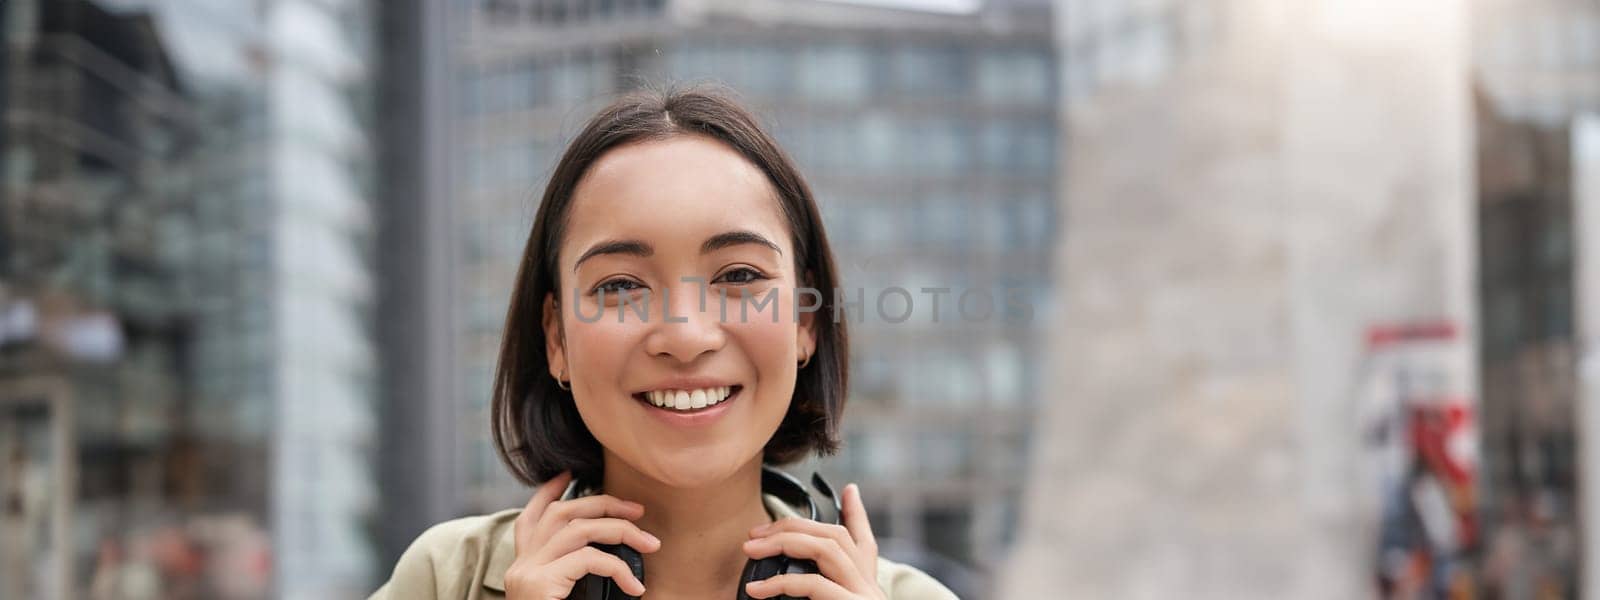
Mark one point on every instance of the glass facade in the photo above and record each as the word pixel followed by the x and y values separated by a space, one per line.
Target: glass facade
pixel 320 161
pixel 184 276
pixel 1534 69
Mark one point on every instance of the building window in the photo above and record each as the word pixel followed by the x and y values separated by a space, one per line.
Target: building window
pixel 938 146
pixel 836 73
pixel 1015 77
pixel 919 70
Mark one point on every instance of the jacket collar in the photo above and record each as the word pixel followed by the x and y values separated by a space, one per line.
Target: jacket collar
pixel 505 548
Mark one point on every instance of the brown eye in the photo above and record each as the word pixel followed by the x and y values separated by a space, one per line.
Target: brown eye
pixel 742 275
pixel 616 286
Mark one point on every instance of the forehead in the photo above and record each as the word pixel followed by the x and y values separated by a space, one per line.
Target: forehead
pixel 684 188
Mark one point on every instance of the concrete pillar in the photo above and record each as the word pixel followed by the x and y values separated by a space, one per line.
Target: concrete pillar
pixel 1230 233
pixel 1586 230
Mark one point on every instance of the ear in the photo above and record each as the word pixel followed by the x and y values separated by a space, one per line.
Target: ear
pixel 555 340
pixel 806 341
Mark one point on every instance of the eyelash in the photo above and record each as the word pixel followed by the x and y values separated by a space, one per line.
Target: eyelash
pixel 754 277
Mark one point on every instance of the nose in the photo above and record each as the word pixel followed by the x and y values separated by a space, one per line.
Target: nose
pixel 690 327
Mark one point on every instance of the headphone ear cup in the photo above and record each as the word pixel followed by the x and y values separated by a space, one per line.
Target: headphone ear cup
pixel 760 569
pixel 802 566
pixel 590 587
pixel 595 587
pixel 799 566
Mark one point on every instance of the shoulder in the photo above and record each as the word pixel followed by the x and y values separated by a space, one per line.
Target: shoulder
pixel 474 535
pixel 452 559
pixel 901 581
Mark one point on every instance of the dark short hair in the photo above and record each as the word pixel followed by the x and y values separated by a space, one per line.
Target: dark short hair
pixel 536 426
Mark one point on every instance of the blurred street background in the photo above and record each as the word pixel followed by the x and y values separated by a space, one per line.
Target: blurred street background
pixel 1312 281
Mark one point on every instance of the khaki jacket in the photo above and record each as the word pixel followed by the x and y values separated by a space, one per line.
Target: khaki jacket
pixel 467 559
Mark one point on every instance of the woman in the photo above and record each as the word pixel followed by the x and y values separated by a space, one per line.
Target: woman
pixel 652 348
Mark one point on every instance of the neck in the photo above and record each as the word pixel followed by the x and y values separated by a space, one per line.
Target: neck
pixel 702 529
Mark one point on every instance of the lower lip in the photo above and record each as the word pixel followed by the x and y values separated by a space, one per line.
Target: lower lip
pixel 694 418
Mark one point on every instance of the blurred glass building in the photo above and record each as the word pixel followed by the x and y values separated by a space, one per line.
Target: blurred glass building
pixel 928 131
pixel 96 131
pixel 1536 69
pixel 187 374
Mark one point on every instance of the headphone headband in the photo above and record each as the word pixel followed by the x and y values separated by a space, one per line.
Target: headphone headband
pixel 778 483
pixel 774 482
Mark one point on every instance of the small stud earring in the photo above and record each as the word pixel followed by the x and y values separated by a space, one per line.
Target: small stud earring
pixel 563 384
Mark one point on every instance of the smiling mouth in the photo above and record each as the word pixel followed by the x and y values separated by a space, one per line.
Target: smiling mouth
pixel 688 401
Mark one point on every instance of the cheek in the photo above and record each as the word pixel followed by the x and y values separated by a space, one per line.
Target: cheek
pixel 592 350
pixel 769 347
pixel 598 365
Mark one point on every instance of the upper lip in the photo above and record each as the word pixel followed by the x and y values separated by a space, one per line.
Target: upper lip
pixel 688 383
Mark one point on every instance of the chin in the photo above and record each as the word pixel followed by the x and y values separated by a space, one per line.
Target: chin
pixel 694 469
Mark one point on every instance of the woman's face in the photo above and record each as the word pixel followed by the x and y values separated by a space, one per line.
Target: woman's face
pixel 671 218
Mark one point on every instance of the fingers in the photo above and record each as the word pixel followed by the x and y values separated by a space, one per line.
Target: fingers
pixel 586 560
pixel 837 533
pixel 544 516
pixel 816 528
pixel 589 507
pixel 581 532
pixel 830 556
pixel 856 521
pixel 846 555
pixel 557 516
pixel 815 587
pixel 548 492
pixel 592 507
pixel 553 536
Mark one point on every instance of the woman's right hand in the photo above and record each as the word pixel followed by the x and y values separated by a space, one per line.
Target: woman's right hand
pixel 552 542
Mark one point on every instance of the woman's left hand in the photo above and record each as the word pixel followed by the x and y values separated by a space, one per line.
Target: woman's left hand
pixel 847 555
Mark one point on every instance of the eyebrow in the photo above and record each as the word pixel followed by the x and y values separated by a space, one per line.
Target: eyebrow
pixel 641 249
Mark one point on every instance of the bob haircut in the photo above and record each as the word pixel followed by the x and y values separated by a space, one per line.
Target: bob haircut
pixel 536 427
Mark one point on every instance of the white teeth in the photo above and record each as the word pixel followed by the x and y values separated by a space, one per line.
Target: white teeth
pixel 688 399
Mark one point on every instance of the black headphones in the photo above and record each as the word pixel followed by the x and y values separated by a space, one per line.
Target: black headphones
pixel 775 482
